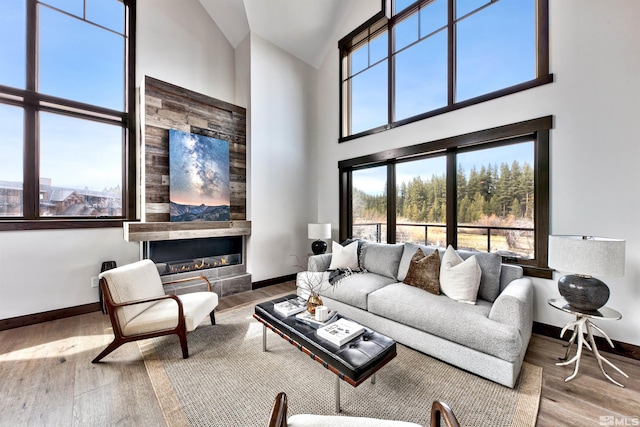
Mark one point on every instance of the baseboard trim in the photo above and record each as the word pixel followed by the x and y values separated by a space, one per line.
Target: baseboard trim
pixel 275 281
pixel 32 319
pixel 620 348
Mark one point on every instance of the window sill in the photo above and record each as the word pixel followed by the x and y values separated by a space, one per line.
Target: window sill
pixel 59 224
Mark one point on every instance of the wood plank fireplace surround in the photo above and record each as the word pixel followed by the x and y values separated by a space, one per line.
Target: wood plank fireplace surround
pixel 214 249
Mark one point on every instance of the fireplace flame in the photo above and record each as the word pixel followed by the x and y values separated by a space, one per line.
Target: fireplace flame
pixel 203 263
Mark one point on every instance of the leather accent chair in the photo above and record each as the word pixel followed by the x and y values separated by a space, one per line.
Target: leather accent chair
pixel 139 308
pixel 439 412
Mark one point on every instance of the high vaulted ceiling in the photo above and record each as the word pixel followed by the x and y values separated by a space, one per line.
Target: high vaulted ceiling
pixel 303 28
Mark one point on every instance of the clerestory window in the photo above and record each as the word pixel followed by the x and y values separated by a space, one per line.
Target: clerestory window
pixel 66 113
pixel 432 56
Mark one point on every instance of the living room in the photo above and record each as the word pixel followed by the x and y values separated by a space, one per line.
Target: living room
pixel 293 129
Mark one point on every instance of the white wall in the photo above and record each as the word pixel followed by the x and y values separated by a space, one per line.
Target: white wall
pixel 179 43
pixel 595 143
pixel 51 269
pixel 282 199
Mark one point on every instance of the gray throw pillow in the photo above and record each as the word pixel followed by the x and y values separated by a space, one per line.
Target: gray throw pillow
pixel 381 258
pixel 491 265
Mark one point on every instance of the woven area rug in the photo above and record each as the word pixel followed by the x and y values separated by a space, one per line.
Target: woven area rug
pixel 229 381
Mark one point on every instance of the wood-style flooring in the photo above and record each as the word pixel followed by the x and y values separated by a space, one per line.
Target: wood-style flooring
pixel 47 378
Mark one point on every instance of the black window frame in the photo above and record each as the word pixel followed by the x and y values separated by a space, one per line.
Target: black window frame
pixel 383 19
pixel 32 102
pixel 536 130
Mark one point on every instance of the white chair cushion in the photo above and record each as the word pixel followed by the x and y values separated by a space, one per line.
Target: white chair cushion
pixel 306 420
pixel 133 282
pixel 164 314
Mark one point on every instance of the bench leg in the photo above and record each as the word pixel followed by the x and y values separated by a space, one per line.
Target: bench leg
pixel 337 394
pixel 212 316
pixel 264 337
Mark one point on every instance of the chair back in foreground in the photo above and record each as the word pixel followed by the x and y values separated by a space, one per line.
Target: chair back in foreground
pixel 138 307
pixel 278 418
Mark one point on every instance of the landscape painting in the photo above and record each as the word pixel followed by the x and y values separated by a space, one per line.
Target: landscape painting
pixel 199 178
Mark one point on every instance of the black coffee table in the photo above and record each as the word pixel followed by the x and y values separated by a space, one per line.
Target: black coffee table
pixel 353 362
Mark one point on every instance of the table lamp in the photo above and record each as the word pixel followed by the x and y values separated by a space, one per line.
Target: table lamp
pixel 586 256
pixel 319 232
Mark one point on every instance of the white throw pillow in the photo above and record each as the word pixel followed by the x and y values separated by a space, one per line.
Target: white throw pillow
pixel 344 256
pixel 460 279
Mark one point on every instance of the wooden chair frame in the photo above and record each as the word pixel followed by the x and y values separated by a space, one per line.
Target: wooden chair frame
pixel 120 338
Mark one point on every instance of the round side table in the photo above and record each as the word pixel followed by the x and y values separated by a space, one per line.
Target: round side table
pixel 583 325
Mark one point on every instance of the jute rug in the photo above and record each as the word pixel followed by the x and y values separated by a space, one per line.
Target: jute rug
pixel 229 381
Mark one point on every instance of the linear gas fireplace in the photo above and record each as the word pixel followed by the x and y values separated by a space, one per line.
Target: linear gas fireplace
pixel 187 255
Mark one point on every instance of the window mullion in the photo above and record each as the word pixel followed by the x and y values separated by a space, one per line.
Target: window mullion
pixel 391 203
pixel 31 188
pixel 452 199
pixel 391 76
pixel 451 60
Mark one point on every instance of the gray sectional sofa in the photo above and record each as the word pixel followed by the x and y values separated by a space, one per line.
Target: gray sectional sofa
pixel 488 339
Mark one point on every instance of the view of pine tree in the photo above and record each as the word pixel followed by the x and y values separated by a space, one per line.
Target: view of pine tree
pixel 504 191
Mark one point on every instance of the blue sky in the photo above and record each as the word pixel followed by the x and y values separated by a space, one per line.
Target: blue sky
pixel 495 49
pixel 78 60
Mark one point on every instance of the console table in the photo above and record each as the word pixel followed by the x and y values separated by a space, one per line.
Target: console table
pixel 583 325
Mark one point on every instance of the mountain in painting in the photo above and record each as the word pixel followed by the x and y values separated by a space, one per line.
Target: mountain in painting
pixel 186 213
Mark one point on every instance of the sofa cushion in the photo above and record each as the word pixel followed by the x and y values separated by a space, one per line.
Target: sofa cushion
pixel 355 289
pixel 491 265
pixel 459 279
pixel 344 256
pixel 381 258
pixel 424 272
pixel 465 324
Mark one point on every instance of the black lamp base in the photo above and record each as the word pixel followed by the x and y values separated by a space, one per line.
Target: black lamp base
pixel 583 292
pixel 319 247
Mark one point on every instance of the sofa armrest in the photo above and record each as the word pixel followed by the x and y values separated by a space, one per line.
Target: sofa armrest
pixel 514 307
pixel 319 263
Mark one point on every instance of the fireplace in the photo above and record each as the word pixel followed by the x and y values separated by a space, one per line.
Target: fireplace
pixel 187 255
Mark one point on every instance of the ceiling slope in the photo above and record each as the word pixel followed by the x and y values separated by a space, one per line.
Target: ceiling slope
pixel 304 28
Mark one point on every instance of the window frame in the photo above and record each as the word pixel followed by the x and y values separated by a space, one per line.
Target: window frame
pixel 383 19
pixel 32 102
pixel 537 130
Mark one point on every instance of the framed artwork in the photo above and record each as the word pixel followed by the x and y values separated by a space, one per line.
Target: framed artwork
pixel 198 178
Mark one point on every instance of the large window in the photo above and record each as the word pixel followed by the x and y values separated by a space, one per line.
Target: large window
pixel 66 100
pixel 432 56
pixel 487 191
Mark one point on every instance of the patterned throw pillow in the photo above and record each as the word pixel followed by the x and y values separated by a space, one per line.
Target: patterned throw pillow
pixel 424 272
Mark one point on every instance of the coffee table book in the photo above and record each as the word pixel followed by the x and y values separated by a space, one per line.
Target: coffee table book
pixel 290 306
pixel 340 332
pixel 310 319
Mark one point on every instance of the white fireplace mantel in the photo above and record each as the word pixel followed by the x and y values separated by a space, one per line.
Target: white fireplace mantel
pixel 152 231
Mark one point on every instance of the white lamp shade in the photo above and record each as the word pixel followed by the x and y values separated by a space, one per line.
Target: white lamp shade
pixel 589 256
pixel 319 231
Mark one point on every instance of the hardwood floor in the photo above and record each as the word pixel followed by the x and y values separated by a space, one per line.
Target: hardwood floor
pixel 47 378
